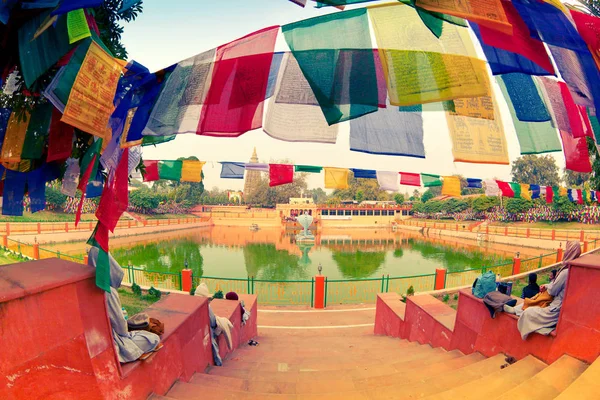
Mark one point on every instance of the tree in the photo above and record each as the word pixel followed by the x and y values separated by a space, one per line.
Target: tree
pixel 485 203
pixel 399 198
pixel 55 199
pixel 563 204
pixel 359 196
pixel 145 200
pixel 515 206
pixel 452 206
pixel 369 189
pixel 268 196
pixel 318 195
pixel 428 195
pixel 533 169
pixel 572 178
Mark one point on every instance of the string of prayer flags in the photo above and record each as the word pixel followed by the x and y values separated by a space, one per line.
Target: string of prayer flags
pixel 524 95
pixel 335 54
pixel 37 55
pixel 431 180
pixel 451 186
pixel 389 132
pixel 115 197
pixel 60 139
pixel 235 99
pixel 410 179
pixel 280 174
pixel 549 194
pixel 191 171
pixel 312 169
pixel 336 178
pixel 535 191
pixel 36 188
pixel 414 62
pixel 534 137
pixel 70 5
pixel 588 27
pixel 77 26
pixel 577 156
pixel 488 13
pixel 474 183
pixel 579 196
pixel 170 170
pixel 562 191
pixel 516 188
pixel 388 180
pixel 37 132
pixel 505 189
pixel 525 191
pixel 261 167
pixel 364 173
pixel 151 171
pixel 14 137
pixel 14 191
pixel 293 114
pixel 232 170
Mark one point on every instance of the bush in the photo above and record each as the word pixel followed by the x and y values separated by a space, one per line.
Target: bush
pixel 455 206
pixel 218 295
pixel 136 289
pixel 428 195
pixel 409 292
pixel 145 200
pixel 446 298
pixel 154 293
pixel 485 203
pixel 516 206
pixel 55 199
pixel 193 291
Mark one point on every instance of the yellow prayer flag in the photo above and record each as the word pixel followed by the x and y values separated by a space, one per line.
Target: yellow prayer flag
pixel 525 191
pixel 336 178
pixel 14 138
pixel 191 171
pixel 562 191
pixel 451 186
pixel 90 103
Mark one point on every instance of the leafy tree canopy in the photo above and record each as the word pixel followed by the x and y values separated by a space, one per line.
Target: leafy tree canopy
pixel 541 170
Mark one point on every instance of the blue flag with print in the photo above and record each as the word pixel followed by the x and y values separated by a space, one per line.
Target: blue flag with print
pixel 474 183
pixel 364 173
pixel 232 170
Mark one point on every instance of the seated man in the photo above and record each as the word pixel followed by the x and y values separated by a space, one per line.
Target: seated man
pixel 532 288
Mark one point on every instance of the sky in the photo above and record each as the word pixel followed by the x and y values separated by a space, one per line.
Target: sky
pixel 168 32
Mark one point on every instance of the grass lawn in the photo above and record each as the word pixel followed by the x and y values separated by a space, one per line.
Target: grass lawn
pixel 134 303
pixel 167 216
pixel 46 216
pixel 8 258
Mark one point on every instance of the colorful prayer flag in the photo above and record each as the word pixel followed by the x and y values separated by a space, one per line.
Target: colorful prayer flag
pixel 60 140
pixel 280 174
pixel 474 183
pixel 451 186
pixel 491 188
pixel 313 169
pixel 232 170
pixel 535 191
pixel 388 180
pixel 336 178
pixel 151 167
pixel 525 191
pixel 77 26
pixel 549 194
pixel 170 170
pixel 431 180
pixel 506 189
pixel 364 173
pixel 191 171
pixel 14 138
pixel 516 188
pixel 410 179
pixel 115 198
pixel 579 197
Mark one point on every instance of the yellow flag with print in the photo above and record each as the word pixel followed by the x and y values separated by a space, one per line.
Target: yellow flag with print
pixel 14 138
pixel 336 178
pixel 525 191
pixel 451 186
pixel 191 171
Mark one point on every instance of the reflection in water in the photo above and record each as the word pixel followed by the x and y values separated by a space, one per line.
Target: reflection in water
pixel 234 252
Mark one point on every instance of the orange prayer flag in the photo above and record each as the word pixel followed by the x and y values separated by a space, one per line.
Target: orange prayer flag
pixel 14 138
pixel 191 171
pixel 336 178
pixel 451 186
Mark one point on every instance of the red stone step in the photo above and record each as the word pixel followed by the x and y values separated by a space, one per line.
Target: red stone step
pixel 550 382
pixel 495 383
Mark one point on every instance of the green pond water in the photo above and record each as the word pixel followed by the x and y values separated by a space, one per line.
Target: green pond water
pixel 231 254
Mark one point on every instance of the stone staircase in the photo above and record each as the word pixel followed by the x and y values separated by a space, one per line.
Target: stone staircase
pixel 364 366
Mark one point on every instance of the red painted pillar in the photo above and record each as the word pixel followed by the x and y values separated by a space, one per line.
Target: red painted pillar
pixel 516 265
pixel 581 236
pixel 528 232
pixel 553 234
pixel 8 229
pixel 186 280
pixel 585 247
pixel 5 241
pixel 85 259
pixel 66 227
pixel 36 251
pixel 319 291
pixel 39 228
pixel 559 254
pixel 440 279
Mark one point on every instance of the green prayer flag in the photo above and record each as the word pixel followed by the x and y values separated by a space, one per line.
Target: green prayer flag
pixel 431 180
pixel 88 157
pixel 103 270
pixel 154 140
pixel 516 188
pixel 62 91
pixel 556 193
pixel 434 23
pixel 595 125
pixel 170 170
pixel 308 168
pixel 77 26
pixel 37 132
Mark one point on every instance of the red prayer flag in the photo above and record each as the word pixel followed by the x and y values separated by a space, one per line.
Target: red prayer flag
pixel 577 156
pixel 83 186
pixel 115 196
pixel 549 194
pixel 60 140
pixel 409 179
pixel 151 167
pixel 520 41
pixel 577 129
pixel 579 197
pixel 588 26
pixel 235 100
pixel 280 174
pixel 505 189
pixel 589 132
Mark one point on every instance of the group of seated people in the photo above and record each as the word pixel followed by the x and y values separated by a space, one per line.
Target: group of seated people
pixel 541 305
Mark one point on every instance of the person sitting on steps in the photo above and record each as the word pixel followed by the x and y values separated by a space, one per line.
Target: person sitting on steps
pixel 532 288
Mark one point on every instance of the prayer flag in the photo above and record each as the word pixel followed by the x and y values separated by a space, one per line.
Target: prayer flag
pixel 95 186
pixel 151 168
pixel 549 194
pixel 588 27
pixel 90 103
pixel 36 187
pixel 60 140
pixel 99 237
pixel 594 196
pixel 232 170
pixel 37 132
pixel 280 174
pixel 535 191
pixel 170 170
pixel 115 197
pixel 14 190
pixel 410 179
pixel 235 99
pixel 451 186
pixel 308 168
pixel 526 192
pixel 14 138
pixel 474 183
pixel 562 191
pixel 431 180
pixel 77 26
pixel 191 171
pixel 516 188
pixel 572 195
pixel 336 178
pixel 525 98
pixel 388 180
pixel 577 156
pixel 70 178
pixel 491 188
pixel 487 13
pixel 579 197
pixel 506 189
pixel 261 167
pixel 364 173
